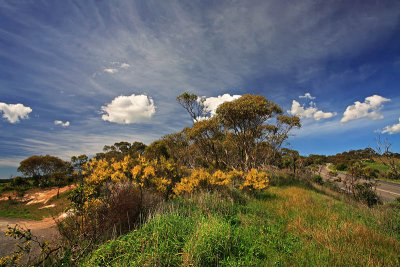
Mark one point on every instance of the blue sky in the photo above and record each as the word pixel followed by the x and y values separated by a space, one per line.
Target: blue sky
pixel 112 70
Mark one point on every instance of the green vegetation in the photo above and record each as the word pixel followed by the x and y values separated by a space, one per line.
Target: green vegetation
pixel 332 168
pixel 380 163
pixel 377 165
pixel 283 226
pixel 203 196
pixel 17 209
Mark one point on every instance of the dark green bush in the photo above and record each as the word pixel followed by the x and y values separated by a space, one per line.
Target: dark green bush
pixel 341 166
pixel 365 194
pixel 317 179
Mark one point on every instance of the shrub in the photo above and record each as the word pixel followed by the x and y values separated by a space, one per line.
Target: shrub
pixel 197 180
pixel 99 219
pixel 255 180
pixel 370 173
pixel 19 181
pixel 317 179
pixel 365 194
pixel 392 175
pixel 341 166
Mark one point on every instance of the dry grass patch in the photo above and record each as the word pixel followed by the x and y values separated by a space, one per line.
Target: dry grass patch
pixel 318 220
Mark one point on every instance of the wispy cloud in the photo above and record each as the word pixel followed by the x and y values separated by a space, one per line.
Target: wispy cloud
pixel 117 66
pixel 307 96
pixel 61 123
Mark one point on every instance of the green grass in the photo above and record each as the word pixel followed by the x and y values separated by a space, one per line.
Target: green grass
pixel 332 168
pixel 377 165
pixel 284 226
pixel 16 209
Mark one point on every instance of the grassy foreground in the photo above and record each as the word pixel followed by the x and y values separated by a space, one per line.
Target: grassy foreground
pixel 284 226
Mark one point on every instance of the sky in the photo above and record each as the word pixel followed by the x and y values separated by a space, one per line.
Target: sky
pixel 78 75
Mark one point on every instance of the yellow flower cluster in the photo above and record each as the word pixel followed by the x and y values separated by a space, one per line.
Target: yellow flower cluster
pixel 201 179
pixel 221 178
pixel 164 177
pixel 255 180
pixel 191 183
pixel 156 175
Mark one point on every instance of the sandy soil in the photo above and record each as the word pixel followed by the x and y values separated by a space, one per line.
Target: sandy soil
pixel 38 195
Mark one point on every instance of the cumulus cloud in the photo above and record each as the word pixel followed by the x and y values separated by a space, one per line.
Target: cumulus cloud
pixel 14 112
pixel 117 66
pixel 394 129
pixel 309 112
pixel 307 96
pixel 369 108
pixel 61 123
pixel 212 103
pixel 129 109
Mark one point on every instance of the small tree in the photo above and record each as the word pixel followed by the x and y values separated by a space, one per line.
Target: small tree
pixel 246 119
pixel 40 168
pixel 386 156
pixel 193 104
pixel 78 163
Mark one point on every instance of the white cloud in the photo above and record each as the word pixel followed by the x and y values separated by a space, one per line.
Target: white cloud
pixel 124 65
pixel 117 67
pixel 129 109
pixel 307 96
pixel 394 129
pixel 212 103
pixel 14 112
pixel 61 123
pixel 310 112
pixel 369 108
pixel 111 70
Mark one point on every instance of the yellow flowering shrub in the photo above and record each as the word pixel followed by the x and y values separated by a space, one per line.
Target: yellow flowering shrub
pixel 99 171
pixel 255 180
pixel 220 178
pixel 198 179
pixel 236 177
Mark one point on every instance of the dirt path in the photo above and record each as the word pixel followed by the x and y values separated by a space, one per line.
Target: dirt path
pixel 44 229
pixel 38 195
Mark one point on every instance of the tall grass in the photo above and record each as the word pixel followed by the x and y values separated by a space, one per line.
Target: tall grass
pixel 287 225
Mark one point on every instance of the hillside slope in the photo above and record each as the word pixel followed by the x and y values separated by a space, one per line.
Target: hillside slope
pixel 286 225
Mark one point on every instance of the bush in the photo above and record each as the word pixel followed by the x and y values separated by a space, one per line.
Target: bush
pixel 392 175
pixel 255 180
pixel 117 212
pixel 370 173
pixel 19 181
pixel 317 179
pixel 365 194
pixel 341 166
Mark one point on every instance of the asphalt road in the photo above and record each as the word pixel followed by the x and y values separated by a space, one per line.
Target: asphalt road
pixel 386 190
